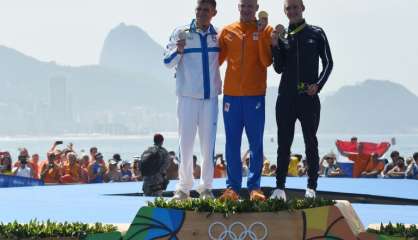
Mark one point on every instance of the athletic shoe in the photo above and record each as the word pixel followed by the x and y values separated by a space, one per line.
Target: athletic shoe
pixel 180 195
pixel 257 195
pixel 230 195
pixel 278 194
pixel 206 194
pixel 310 193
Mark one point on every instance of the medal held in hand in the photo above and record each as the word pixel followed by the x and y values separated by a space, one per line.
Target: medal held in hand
pixel 283 35
pixel 182 35
pixel 263 20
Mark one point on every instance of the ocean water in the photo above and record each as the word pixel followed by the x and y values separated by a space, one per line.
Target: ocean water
pixel 131 146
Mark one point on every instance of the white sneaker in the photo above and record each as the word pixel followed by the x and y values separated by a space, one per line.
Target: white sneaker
pixel 180 195
pixel 278 194
pixel 310 193
pixel 206 194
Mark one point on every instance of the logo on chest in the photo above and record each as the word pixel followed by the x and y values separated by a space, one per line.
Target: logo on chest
pixel 256 36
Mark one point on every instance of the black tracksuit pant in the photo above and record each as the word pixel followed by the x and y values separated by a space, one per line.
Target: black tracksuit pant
pixel 306 109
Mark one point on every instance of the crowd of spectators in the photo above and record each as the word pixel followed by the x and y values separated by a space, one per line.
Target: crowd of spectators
pixel 373 167
pixel 66 166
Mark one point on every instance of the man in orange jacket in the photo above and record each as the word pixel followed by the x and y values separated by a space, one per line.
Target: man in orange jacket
pixel 246 46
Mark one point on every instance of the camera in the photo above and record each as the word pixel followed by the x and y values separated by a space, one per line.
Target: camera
pixel 23 159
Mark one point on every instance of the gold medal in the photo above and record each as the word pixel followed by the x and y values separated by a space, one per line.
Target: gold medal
pixel 263 14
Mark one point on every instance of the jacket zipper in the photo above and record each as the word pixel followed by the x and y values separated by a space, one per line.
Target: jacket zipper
pixel 242 60
pixel 297 63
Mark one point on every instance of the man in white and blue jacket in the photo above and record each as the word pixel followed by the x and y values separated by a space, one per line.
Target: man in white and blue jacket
pixel 193 51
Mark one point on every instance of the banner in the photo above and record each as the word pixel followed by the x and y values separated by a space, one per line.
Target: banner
pixel 14 181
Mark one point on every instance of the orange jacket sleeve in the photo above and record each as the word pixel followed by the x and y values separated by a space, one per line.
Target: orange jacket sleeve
pixel 224 50
pixel 264 47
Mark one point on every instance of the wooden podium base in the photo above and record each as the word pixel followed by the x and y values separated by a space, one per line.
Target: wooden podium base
pixel 332 222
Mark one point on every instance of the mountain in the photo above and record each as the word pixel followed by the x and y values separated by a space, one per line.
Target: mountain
pixel 130 49
pixel 371 107
pixel 37 97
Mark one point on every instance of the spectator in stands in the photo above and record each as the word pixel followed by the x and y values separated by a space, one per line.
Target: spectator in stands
pixel 67 150
pixel 116 157
pixel 397 171
pixel 71 170
pixel 266 168
pixel 5 163
pixel 59 157
pixel 374 167
pixel 360 161
pixel 125 170
pixel 293 165
pixel 113 173
pixel 332 170
pixel 93 152
pixel 57 152
pixel 173 169
pixel 245 161
pixel 245 166
pixel 303 168
pixel 136 171
pixel 412 167
pixel 97 169
pixel 220 166
pixel 50 171
pixel 394 155
pixel 196 168
pixel 23 170
pixel 24 153
pixel 84 165
pixel 273 170
pixel 322 165
pixel 34 165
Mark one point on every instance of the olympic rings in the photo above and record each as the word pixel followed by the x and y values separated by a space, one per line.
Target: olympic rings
pixel 228 233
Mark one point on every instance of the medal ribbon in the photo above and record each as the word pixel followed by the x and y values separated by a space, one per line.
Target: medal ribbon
pixel 298 29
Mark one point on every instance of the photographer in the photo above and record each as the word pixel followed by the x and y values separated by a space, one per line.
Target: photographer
pixel 153 167
pixel 50 172
pixel 23 170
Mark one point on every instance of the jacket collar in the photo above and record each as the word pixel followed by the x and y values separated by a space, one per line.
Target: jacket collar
pixel 296 25
pixel 193 28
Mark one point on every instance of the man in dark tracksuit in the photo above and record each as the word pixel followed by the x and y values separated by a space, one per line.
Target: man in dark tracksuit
pixel 296 56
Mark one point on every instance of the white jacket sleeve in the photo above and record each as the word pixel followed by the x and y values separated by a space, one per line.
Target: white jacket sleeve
pixel 171 57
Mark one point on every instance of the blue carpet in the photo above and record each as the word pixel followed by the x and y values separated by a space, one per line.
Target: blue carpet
pixel 88 203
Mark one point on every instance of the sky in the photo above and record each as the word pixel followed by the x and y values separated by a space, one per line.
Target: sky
pixel 370 39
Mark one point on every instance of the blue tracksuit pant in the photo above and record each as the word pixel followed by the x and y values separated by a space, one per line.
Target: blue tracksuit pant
pixel 244 113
